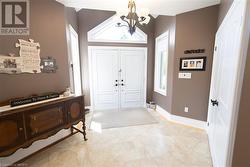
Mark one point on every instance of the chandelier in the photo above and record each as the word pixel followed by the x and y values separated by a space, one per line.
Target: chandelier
pixel 132 19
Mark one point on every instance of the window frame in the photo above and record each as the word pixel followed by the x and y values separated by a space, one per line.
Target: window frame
pixel 160 46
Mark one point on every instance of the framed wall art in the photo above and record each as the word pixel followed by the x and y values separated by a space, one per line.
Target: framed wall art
pixel 48 65
pixel 28 60
pixel 193 64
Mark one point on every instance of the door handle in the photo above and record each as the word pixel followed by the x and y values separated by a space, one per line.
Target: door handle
pixel 214 102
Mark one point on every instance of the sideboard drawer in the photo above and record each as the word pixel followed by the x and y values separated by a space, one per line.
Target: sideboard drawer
pixel 45 120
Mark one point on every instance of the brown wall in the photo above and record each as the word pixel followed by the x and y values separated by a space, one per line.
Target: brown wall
pixel 88 19
pixel 163 24
pixel 194 30
pixel 242 147
pixel 47 28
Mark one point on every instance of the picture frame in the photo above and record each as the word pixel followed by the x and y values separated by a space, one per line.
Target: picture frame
pixel 193 64
pixel 48 65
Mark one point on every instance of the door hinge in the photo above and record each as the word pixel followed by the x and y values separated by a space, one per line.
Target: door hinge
pixel 215 48
pixel 207 123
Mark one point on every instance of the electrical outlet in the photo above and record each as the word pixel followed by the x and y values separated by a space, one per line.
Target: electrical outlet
pixel 186 109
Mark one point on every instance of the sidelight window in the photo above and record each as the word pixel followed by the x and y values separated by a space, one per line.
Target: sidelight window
pixel 161 63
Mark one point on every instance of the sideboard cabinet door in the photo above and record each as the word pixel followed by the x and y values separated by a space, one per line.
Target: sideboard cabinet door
pixel 75 110
pixel 11 132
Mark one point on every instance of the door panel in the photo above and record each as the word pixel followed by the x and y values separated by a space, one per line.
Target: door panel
pixel 11 131
pixel 105 78
pixel 223 84
pixel 132 76
pixel 75 110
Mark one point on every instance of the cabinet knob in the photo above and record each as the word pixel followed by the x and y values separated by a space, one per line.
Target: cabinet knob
pixel 20 129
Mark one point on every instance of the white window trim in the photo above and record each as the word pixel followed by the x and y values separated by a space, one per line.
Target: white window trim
pixel 78 66
pixel 106 24
pixel 157 64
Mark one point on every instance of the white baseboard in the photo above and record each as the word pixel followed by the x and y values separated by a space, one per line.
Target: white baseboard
pixel 182 120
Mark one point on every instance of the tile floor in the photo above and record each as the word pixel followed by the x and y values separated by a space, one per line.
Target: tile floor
pixel 165 144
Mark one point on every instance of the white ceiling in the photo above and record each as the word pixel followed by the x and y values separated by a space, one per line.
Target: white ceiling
pixel 156 7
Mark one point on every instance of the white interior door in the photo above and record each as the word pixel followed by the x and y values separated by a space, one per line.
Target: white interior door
pixel 223 85
pixel 118 77
pixel 132 78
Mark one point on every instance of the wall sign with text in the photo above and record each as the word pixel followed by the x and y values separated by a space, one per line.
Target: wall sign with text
pixel 194 51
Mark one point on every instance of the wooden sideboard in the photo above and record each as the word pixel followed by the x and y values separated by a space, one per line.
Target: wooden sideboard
pixel 23 125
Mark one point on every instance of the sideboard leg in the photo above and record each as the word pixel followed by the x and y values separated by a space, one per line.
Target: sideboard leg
pixel 71 129
pixel 84 130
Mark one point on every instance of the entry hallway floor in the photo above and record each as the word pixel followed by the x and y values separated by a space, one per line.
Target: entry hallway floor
pixel 164 144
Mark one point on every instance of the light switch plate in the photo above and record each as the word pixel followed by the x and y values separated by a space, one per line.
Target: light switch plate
pixel 185 75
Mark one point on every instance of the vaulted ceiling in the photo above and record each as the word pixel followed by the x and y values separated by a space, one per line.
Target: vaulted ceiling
pixel 156 7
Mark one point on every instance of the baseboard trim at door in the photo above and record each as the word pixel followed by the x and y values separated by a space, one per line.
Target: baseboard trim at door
pixel 89 107
pixel 182 120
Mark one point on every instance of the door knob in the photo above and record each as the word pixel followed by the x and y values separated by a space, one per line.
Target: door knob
pixel 214 102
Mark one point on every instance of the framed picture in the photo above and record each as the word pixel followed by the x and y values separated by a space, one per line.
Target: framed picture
pixel 193 64
pixel 48 65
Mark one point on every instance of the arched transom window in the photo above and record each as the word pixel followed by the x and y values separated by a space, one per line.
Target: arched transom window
pixel 109 32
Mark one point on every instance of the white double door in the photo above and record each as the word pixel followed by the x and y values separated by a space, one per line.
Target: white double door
pixel 118 77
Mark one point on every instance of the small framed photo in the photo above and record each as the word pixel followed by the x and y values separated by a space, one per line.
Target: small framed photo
pixel 193 64
pixel 48 65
